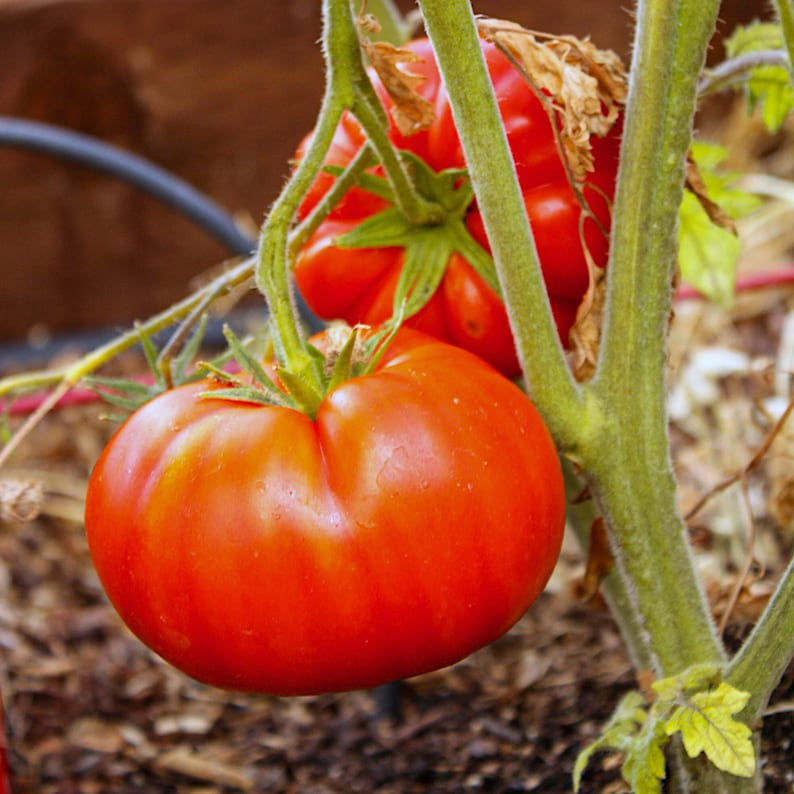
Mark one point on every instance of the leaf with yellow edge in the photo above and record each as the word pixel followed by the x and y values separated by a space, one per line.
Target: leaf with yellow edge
pixel 707 726
pixel 644 767
pixel 693 679
pixel 618 734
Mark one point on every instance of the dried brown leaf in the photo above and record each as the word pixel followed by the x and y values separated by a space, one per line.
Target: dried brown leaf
pixel 584 85
pixel 781 504
pixel 411 112
pixel 644 680
pixel 20 500
pixel 184 761
pixel 585 335
pixel 599 559
pixel 90 733
pixel 695 184
pixel 369 23
pixel 51 667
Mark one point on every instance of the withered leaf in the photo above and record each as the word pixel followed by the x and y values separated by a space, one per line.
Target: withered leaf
pixel 20 500
pixel 583 85
pixel 599 559
pixel 585 336
pixel 185 761
pixel 369 23
pixel 411 112
pixel 697 186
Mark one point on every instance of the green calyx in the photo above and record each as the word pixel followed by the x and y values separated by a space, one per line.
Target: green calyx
pixel 348 355
pixel 428 247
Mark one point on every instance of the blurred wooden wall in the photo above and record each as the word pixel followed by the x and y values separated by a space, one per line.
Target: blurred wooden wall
pixel 219 91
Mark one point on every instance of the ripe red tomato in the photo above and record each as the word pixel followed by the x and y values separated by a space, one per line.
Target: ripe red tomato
pixel 411 523
pixel 358 285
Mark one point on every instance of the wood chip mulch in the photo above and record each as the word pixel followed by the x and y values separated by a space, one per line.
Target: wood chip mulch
pixel 90 710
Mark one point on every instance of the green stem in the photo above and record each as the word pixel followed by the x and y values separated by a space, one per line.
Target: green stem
pixel 729 73
pixel 615 588
pixel 74 372
pixel 767 652
pixel 306 228
pixel 785 14
pixel 632 477
pixel 452 30
pixel 370 113
pixel 343 59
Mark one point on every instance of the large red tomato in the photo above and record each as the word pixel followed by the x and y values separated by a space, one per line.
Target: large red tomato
pixel 413 521
pixel 358 284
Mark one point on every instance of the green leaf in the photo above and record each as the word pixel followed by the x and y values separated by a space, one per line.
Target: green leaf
pixel 150 352
pixel 476 256
pixel 132 388
pixel 377 185
pixel 243 394
pixel 300 392
pixel 706 726
pixel 644 767
pixel 720 183
pixel 428 248
pixel 618 734
pixel 249 364
pixel 451 187
pixel 120 401
pixel 707 254
pixel 768 87
pixel 427 254
pixel 189 351
pixel 385 229
pixel 693 679
pixel 379 342
pixel 123 392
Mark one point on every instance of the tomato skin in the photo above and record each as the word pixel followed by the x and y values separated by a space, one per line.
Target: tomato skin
pixel 321 270
pixel 411 523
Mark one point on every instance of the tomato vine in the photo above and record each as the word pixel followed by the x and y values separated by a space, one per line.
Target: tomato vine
pixel 616 438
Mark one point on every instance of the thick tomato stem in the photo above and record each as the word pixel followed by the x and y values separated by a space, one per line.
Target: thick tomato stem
pixel 348 89
pixel 303 371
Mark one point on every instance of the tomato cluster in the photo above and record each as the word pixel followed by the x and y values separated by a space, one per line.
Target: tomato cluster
pixel 418 514
pixel 413 521
pixel 358 284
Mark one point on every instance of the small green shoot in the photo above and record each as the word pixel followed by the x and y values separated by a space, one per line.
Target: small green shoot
pixel 698 705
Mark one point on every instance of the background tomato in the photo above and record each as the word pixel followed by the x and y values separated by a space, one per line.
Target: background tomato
pixel 358 285
pixel 413 522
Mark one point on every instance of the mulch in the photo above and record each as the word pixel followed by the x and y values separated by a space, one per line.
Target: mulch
pixel 90 710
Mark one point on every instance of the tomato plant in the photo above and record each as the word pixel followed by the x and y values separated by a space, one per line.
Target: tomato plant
pixel 411 522
pixel 358 284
